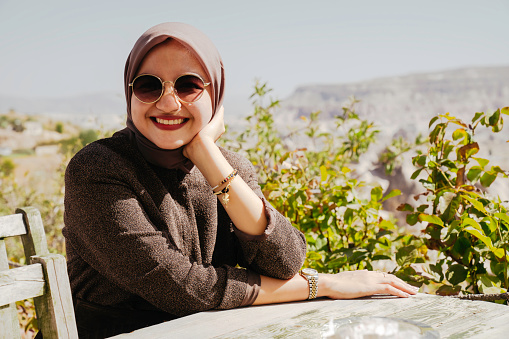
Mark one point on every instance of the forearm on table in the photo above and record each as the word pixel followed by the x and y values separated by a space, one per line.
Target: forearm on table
pixel 274 291
pixel 244 207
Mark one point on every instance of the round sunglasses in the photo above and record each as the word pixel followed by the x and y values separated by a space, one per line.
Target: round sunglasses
pixel 149 88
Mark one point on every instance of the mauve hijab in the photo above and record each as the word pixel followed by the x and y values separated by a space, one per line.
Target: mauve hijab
pixel 208 56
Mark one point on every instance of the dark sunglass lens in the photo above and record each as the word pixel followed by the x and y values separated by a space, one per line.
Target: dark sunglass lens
pixel 147 88
pixel 189 88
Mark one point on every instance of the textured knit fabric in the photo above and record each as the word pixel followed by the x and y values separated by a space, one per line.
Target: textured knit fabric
pixel 145 237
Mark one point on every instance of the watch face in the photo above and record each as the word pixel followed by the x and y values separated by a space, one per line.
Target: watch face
pixel 309 271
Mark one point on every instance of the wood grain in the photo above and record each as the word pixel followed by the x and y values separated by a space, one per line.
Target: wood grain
pixel 452 318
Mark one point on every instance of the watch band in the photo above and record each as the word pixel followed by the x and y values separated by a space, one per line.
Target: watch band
pixel 311 275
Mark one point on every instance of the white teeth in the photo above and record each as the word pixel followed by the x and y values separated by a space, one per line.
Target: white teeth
pixel 170 122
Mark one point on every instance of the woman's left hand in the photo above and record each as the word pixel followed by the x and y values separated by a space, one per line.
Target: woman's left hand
pixel 209 134
pixel 356 284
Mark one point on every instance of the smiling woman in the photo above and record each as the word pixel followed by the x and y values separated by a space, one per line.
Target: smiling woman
pixel 183 106
pixel 160 222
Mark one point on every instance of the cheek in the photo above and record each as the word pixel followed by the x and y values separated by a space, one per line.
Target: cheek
pixel 205 107
pixel 136 109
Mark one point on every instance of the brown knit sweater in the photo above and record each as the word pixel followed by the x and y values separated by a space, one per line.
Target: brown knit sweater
pixel 141 236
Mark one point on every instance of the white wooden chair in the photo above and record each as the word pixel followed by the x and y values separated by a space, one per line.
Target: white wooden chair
pixel 44 278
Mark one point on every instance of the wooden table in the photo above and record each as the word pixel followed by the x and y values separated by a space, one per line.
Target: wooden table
pixel 451 317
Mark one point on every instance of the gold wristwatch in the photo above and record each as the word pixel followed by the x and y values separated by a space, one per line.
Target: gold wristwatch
pixel 311 275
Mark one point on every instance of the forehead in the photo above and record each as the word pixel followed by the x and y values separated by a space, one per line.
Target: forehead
pixel 170 58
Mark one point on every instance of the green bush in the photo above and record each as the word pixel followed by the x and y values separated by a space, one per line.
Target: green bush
pixel 316 187
pixel 468 227
pixel 59 127
pixel 6 167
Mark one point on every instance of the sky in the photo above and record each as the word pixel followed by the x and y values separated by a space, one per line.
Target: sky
pixel 65 48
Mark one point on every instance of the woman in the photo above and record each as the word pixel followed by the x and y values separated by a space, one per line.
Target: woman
pixel 161 222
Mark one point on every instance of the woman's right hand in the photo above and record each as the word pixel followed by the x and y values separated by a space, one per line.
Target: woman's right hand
pixel 208 135
pixel 356 284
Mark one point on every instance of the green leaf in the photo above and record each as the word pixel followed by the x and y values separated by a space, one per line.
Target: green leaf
pixel 497 169
pixel 462 245
pixel 321 242
pixel 405 254
pixel 497 268
pixel 459 133
pixel 474 173
pixel 476 203
pixel 450 212
pixel 311 255
pixel 412 219
pixel 393 193
pixel 337 262
pixel 376 193
pixel 432 121
pixel 504 110
pixel 323 173
pixel 419 160
pixel 487 179
pixel 437 134
pixel 416 173
pixel 489 285
pixel 477 116
pixel 381 257
pixel 405 208
pixel 482 162
pixel 479 233
pixel 433 219
pixel 456 274
pixel 386 224
pixel 358 255
pixel 448 290
pixel 502 216
pixel 494 117
pixel 473 223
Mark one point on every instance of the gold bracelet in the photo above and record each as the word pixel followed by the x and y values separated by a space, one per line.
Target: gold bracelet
pixel 225 180
pixel 224 191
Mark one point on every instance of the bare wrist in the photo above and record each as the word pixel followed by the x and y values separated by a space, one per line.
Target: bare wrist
pixel 323 285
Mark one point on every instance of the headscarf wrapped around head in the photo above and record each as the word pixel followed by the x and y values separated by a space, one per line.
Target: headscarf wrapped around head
pixel 208 56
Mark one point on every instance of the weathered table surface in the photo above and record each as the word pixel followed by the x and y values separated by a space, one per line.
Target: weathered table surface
pixel 451 317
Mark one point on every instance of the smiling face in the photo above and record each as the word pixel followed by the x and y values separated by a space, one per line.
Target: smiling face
pixel 170 123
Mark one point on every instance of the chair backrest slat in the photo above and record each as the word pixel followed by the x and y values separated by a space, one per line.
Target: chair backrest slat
pixel 34 241
pixel 12 225
pixel 9 325
pixel 21 283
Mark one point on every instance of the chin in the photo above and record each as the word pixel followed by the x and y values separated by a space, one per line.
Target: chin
pixel 170 145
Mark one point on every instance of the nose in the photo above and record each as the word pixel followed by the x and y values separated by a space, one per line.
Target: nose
pixel 169 101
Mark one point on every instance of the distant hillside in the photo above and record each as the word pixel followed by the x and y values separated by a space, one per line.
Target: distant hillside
pixel 106 109
pixel 92 103
pixel 407 101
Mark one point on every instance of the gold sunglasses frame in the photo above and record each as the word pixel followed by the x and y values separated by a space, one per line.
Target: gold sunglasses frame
pixel 175 93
